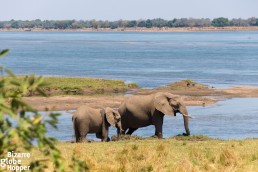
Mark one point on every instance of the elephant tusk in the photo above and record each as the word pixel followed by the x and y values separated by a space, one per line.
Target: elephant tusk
pixel 187 115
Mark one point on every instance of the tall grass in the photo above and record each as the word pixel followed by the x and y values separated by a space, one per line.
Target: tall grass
pixel 165 155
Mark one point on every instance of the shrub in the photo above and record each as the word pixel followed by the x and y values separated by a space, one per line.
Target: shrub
pixel 21 132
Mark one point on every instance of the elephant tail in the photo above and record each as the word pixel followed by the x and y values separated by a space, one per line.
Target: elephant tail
pixel 75 128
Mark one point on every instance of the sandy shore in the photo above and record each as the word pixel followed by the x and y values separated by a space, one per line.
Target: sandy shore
pixel 193 94
pixel 140 29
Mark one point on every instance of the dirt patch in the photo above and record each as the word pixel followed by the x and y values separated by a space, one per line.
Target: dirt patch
pixel 193 93
pixel 73 102
pixel 241 91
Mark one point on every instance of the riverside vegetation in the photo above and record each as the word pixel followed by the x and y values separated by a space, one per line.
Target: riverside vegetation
pixel 147 23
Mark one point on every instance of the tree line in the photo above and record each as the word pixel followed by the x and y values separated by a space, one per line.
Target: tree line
pixel 148 23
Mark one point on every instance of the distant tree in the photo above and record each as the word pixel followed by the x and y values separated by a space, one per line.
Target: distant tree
pixel 141 23
pixel 191 22
pixel 1 24
pixel 113 25
pixel 47 24
pixel 132 23
pixel 235 22
pixel 171 23
pixel 122 23
pixel 256 22
pixel 76 25
pixel 206 22
pixel 238 22
pixel 148 23
pixel 105 24
pixel 202 22
pixel 252 21
pixel 220 22
pixel 37 23
pixel 159 22
pixel 15 24
pixel 85 24
pixel 94 24
pixel 63 24
pixel 181 22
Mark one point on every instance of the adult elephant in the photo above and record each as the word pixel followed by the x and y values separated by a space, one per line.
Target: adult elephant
pixel 88 120
pixel 144 110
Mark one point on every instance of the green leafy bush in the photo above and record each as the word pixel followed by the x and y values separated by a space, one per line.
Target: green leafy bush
pixel 21 132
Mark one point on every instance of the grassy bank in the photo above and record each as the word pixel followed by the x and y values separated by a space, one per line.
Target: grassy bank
pixel 178 155
pixel 83 86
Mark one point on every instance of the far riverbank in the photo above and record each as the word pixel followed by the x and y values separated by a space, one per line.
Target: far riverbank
pixel 137 29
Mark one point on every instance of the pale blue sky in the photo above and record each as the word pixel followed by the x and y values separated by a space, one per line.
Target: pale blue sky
pixel 125 9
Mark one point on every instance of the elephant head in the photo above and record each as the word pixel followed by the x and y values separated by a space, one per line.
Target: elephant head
pixel 168 105
pixel 113 118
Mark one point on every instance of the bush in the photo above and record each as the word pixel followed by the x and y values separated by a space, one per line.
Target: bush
pixel 21 132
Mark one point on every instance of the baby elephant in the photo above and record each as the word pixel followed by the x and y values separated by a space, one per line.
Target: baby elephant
pixel 88 120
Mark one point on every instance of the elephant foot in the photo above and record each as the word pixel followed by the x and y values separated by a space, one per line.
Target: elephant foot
pixel 90 140
pixel 185 134
pixel 106 139
pixel 154 136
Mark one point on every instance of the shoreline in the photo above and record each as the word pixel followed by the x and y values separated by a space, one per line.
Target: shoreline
pixel 138 29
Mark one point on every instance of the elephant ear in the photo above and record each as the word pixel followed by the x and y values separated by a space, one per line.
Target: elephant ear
pixel 175 104
pixel 161 103
pixel 110 116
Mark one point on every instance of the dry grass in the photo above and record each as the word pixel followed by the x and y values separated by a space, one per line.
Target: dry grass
pixel 177 155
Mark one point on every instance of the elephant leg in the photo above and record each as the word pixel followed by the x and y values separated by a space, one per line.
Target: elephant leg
pixel 81 136
pixel 99 135
pixel 158 123
pixel 158 131
pixel 104 133
pixel 131 130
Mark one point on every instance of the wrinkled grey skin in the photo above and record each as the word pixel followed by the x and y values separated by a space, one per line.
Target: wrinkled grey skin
pixel 144 110
pixel 88 120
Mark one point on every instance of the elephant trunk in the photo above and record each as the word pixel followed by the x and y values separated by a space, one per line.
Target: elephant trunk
pixel 119 129
pixel 184 112
pixel 119 126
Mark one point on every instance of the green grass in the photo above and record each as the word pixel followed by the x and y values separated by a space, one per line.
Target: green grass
pixel 91 83
pixel 80 86
pixel 195 154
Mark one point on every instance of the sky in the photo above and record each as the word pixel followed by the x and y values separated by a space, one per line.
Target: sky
pixel 125 9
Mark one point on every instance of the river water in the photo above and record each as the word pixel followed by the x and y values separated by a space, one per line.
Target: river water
pixel 220 59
